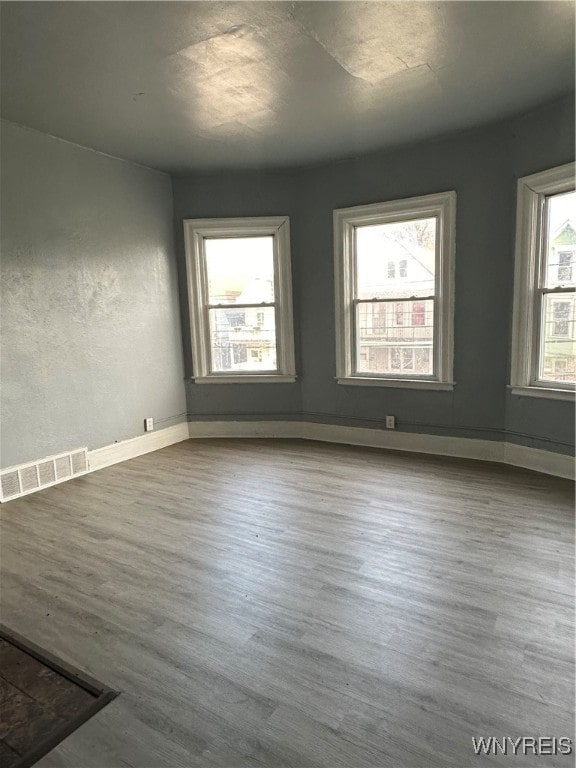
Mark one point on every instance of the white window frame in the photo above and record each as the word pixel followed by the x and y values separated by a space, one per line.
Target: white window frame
pixel 443 207
pixel 529 265
pixel 196 231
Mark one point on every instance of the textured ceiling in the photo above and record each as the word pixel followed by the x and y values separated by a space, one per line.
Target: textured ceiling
pixel 191 85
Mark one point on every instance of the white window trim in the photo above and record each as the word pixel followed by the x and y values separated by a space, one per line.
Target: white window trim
pixel 441 205
pixel 529 249
pixel 195 231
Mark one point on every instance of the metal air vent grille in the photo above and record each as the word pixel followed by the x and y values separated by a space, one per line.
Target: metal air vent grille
pixel 33 476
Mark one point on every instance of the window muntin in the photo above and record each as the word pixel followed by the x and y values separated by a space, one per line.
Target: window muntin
pixel 544 333
pixel 394 292
pixel 240 299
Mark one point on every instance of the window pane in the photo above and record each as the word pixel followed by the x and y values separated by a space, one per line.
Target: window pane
pixel 561 245
pixel 396 259
pixel 395 337
pixel 240 270
pixel 558 358
pixel 243 339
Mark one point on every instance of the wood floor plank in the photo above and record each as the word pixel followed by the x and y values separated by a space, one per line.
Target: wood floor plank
pixel 288 603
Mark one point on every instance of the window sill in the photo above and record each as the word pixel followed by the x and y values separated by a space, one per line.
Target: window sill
pixel 366 381
pixel 249 378
pixel 546 392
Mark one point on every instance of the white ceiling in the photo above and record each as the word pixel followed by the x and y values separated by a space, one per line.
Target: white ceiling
pixel 191 85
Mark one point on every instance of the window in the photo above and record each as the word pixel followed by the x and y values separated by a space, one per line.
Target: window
pixel 395 327
pixel 565 261
pixel 239 287
pixel 256 354
pixel 544 334
pixel 560 319
pixel 418 313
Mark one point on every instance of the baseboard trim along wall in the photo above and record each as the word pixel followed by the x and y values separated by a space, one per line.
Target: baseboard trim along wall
pixel 137 446
pixel 557 464
pixel 549 463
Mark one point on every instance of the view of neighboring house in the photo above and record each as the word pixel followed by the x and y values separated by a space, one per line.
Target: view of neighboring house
pixel 559 359
pixel 243 337
pixel 396 267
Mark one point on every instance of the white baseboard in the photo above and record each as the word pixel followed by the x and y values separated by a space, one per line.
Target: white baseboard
pixel 558 464
pixel 486 450
pixel 136 446
pixel 535 459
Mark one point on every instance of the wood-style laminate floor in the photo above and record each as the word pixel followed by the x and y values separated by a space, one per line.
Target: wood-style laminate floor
pixel 288 603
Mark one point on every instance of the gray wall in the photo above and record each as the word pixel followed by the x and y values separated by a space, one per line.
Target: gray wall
pixel 482 166
pixel 90 319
